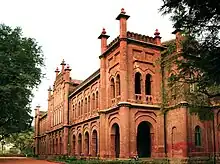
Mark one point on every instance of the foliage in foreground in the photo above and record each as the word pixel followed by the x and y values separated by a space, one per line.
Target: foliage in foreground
pixel 21 61
pixel 199 21
pixel 23 141
pixel 74 160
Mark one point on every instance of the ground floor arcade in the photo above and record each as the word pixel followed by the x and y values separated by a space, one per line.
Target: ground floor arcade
pixel 141 134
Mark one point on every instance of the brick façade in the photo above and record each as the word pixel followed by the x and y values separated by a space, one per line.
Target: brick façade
pixel 109 115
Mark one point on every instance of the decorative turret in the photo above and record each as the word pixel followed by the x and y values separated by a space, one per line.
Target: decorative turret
pixel 157 37
pixel 49 92
pixel 63 65
pixel 122 17
pixel 179 38
pixel 103 38
pixel 67 73
pixel 57 71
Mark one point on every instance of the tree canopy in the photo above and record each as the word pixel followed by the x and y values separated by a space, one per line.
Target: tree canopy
pixel 21 62
pixel 199 21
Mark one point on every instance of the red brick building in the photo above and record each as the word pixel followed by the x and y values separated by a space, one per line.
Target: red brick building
pixel 116 112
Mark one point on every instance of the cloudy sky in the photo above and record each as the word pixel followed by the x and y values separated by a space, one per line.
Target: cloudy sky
pixel 68 29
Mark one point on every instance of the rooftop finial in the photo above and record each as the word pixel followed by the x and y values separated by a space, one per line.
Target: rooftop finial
pixel 49 89
pixel 63 62
pixel 103 31
pixel 57 70
pixel 123 11
pixel 157 33
pixel 67 67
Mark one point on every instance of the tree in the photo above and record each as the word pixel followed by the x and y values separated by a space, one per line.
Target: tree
pixel 199 21
pixel 21 60
pixel 23 141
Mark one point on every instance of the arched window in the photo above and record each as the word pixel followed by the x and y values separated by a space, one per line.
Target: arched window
pixel 73 112
pixel 61 146
pixel 86 106
pixel 93 101
pixel 53 146
pixel 79 111
pixel 137 83
pixel 86 144
pixel 112 88
pixel 89 105
pixel 82 108
pixel 198 136
pixel 74 145
pixel 80 144
pixel 148 84
pixel 60 116
pixel 118 87
pixel 97 100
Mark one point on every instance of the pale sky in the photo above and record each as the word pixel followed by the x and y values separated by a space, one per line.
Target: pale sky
pixel 68 29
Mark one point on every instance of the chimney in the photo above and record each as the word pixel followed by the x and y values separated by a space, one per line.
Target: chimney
pixel 103 38
pixel 122 17
pixel 67 73
pixel 57 71
pixel 179 38
pixel 157 37
pixel 63 65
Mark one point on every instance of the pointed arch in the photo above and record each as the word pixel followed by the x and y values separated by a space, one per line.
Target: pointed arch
pixel 74 145
pixel 80 144
pixel 115 140
pixel 94 151
pixel 86 140
pixel 173 139
pixel 93 102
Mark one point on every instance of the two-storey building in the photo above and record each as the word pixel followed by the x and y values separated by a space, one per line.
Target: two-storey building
pixel 116 112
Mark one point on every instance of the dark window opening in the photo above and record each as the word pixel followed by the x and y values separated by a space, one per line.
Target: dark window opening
pixel 148 84
pixel 112 88
pixel 198 136
pixel 137 83
pixel 118 87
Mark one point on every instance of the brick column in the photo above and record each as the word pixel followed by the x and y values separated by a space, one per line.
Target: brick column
pixel 65 115
pixel 103 95
pixel 36 126
pixel 102 142
pixel 124 110
pixel 185 131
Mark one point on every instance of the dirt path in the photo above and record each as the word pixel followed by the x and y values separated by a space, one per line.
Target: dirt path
pixel 23 160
